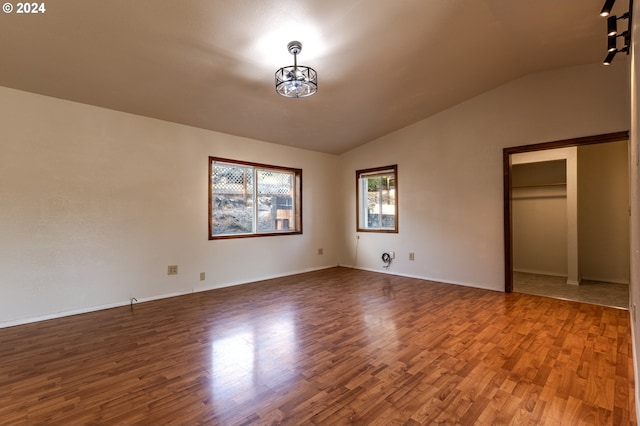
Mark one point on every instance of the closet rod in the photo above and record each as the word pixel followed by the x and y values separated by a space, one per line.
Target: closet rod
pixel 540 185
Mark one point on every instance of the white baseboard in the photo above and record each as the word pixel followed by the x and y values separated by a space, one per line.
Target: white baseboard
pixel 607 280
pixel 263 278
pixel 55 315
pixel 555 274
pixel 421 277
pixel 539 272
pixel 550 274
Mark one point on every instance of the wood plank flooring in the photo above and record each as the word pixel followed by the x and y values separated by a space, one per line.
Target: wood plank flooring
pixel 337 346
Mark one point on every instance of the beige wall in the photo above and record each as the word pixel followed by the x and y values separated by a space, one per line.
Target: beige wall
pixel 450 170
pixel 97 203
pixel 603 212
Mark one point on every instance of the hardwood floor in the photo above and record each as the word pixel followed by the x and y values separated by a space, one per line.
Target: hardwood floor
pixel 337 346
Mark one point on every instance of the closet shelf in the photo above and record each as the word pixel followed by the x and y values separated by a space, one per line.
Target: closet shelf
pixel 540 185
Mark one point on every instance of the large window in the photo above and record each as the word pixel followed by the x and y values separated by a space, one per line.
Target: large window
pixel 250 200
pixel 377 199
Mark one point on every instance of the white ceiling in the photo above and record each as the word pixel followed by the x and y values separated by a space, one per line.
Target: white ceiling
pixel 382 64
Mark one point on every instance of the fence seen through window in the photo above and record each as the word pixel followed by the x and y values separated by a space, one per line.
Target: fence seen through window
pixel 377 199
pixel 248 199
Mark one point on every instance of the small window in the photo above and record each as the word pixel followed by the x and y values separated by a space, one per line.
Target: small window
pixel 252 200
pixel 377 195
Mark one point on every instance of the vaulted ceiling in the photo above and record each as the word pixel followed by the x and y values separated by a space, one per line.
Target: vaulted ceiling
pixel 381 64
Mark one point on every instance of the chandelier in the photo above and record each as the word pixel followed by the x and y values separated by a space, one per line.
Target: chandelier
pixel 296 81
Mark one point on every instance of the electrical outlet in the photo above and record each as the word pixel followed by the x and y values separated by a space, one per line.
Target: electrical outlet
pixel 172 270
pixel 202 276
pixel 412 256
pixel 320 251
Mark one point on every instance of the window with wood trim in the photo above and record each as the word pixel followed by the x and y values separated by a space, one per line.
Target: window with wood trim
pixel 377 199
pixel 252 200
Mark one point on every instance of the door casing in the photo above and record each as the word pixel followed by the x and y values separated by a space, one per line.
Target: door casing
pixel 506 168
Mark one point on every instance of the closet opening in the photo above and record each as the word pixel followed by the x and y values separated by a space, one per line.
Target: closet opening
pixel 566 219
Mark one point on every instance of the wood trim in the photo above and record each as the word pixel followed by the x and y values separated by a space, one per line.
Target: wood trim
pixel 210 190
pixel 540 185
pixel 506 168
pixel 586 140
pixel 393 167
pixel 249 163
pixel 298 199
pixel 508 249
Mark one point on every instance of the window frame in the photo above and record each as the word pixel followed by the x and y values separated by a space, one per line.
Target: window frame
pixel 297 198
pixel 359 207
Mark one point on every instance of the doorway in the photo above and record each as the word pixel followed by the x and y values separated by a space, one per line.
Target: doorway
pixel 570 267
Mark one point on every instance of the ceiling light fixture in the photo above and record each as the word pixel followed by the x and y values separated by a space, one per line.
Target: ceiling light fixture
pixel 612 54
pixel 612 31
pixel 606 9
pixel 612 41
pixel 612 25
pixel 296 81
pixel 609 58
